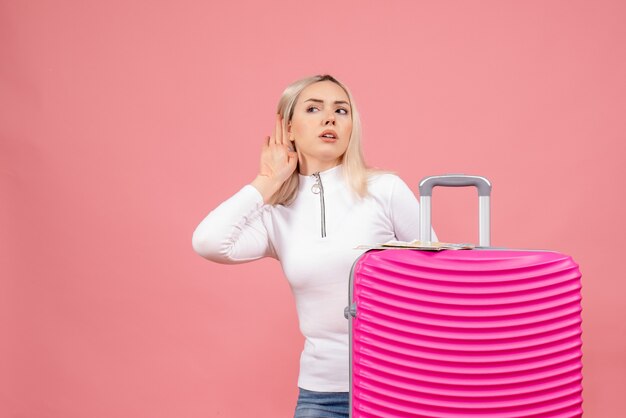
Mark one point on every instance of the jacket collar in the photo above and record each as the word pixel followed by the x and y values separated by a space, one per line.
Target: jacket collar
pixel 329 178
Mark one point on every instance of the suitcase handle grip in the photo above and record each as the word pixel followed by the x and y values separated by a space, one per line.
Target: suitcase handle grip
pixel 456 180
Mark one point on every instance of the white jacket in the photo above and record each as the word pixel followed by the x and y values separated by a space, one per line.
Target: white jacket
pixel 243 228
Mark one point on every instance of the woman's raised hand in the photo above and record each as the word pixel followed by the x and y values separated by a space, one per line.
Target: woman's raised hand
pixel 278 162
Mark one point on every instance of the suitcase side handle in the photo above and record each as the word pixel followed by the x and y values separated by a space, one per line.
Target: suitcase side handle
pixel 456 180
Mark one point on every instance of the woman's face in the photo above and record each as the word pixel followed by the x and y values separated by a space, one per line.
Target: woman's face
pixel 322 108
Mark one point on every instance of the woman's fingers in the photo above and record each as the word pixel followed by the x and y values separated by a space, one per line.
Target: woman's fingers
pixel 278 160
pixel 275 138
pixel 278 130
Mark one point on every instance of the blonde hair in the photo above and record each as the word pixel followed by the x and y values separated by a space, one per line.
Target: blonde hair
pixel 355 171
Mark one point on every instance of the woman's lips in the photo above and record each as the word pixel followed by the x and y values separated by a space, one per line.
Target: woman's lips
pixel 329 136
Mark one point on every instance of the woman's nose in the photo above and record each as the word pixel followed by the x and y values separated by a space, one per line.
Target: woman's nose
pixel 330 118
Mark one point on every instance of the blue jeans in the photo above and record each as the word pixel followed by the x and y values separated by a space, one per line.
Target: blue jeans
pixel 322 404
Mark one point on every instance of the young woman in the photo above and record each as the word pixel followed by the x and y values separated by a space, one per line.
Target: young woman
pixel 313 201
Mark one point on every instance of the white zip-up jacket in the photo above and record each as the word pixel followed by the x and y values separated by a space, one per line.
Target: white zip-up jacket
pixel 314 239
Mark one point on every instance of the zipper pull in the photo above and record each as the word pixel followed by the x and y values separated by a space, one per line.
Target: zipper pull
pixel 316 188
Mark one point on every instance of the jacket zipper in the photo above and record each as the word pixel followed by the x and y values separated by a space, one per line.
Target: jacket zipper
pixel 318 188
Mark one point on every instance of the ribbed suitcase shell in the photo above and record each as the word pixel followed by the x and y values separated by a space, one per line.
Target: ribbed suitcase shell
pixel 468 333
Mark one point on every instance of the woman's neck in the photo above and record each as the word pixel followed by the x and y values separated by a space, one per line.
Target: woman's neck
pixel 307 168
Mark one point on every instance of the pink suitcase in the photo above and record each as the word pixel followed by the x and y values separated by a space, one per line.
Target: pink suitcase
pixel 469 333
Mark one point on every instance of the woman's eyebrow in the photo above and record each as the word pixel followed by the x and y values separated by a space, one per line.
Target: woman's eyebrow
pixel 321 101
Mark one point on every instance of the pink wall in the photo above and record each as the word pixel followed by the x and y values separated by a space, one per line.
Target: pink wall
pixel 122 123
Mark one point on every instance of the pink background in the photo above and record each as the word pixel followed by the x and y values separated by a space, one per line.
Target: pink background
pixel 123 123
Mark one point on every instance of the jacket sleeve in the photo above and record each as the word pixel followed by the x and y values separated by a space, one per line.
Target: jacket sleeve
pixel 234 231
pixel 405 212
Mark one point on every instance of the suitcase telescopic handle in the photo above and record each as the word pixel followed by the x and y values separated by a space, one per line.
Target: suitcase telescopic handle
pixel 456 180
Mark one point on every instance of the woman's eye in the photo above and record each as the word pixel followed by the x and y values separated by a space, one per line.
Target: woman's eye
pixel 340 110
